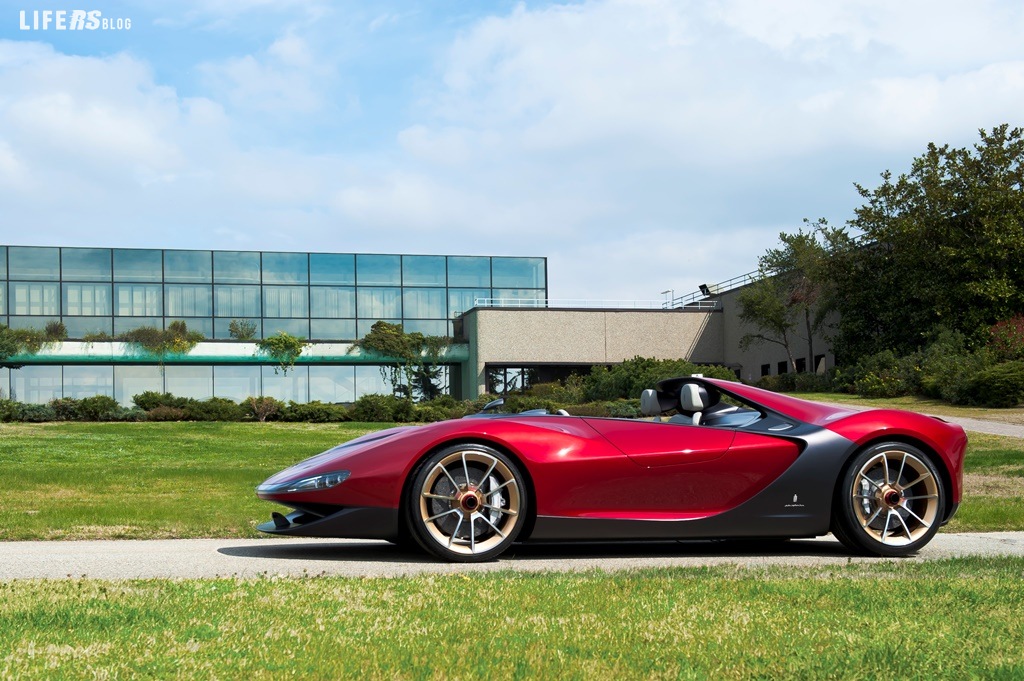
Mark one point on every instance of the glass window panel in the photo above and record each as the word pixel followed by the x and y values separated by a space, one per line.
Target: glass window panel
pixel 469 271
pixel 285 268
pixel 332 383
pixel 518 272
pixel 424 303
pixel 187 301
pixel 236 267
pixel 290 387
pixel 332 302
pixel 5 383
pixel 130 381
pixel 189 381
pixel 37 323
pixel 137 300
pixel 285 301
pixel 464 299
pixel 332 329
pixel 519 296
pixel 34 263
pixel 363 326
pixel 136 265
pixel 85 264
pixel 80 327
pixel 203 325
pixel 34 299
pixel 379 270
pixel 237 301
pixel 123 324
pixel 428 327
pixel 379 303
pixel 222 327
pixel 88 381
pixel 370 382
pixel 332 268
pixel 36 384
pixel 423 270
pixel 3 299
pixel 86 300
pixel 3 266
pixel 293 327
pixel 188 267
pixel 236 382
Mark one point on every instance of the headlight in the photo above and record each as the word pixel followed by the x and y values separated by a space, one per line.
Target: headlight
pixel 316 482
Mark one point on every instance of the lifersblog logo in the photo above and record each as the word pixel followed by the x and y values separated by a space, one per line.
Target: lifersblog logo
pixel 71 20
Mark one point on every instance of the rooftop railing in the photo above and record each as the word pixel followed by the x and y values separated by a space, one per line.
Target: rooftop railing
pixel 580 303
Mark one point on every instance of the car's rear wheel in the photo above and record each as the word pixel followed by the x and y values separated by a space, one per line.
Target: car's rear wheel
pixel 889 502
pixel 467 503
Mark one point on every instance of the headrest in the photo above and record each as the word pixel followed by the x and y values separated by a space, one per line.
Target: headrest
pixel 693 397
pixel 649 404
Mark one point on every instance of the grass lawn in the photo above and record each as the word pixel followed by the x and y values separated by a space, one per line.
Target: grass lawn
pixel 951 619
pixel 924 405
pixel 165 480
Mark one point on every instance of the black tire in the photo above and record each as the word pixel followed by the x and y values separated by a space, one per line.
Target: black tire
pixel 889 502
pixel 467 503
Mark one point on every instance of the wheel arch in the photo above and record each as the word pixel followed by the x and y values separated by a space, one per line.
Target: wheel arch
pixel 531 497
pixel 926 449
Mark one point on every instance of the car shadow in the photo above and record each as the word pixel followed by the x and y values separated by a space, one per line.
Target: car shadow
pixel 378 551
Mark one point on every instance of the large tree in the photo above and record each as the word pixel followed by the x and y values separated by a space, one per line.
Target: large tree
pixel 415 369
pixel 941 246
pixel 790 301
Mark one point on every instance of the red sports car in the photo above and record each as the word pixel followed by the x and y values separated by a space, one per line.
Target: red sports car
pixel 718 460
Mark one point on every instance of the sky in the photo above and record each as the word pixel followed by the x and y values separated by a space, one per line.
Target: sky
pixel 642 146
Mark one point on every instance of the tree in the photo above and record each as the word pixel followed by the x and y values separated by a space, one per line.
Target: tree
pixel 283 348
pixel 176 339
pixel 791 300
pixel 415 367
pixel 942 246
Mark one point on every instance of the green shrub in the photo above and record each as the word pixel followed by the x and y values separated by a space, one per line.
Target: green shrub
pixel 428 413
pixel 262 408
pixel 809 382
pixel 151 400
pixel 66 409
pixel 98 408
pixel 213 409
pixel 1007 338
pixel 624 409
pixel 315 412
pixel 628 379
pixel 10 411
pixel 165 413
pixel 999 386
pixel 36 413
pixel 781 383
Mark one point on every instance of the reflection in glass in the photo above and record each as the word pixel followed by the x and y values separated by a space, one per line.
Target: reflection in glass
pixel 370 382
pixel 513 296
pixel 379 303
pixel 203 325
pixel 80 327
pixel 469 271
pixel 3 273
pixel 123 324
pixel 332 384
pixel 34 299
pixel 293 327
pixel 130 381
pixel 518 272
pixel 428 327
pixel 332 268
pixel 332 329
pixel 293 386
pixel 379 270
pixel 464 299
pixel 364 326
pixel 137 300
pixel 236 301
pixel 136 265
pixel 188 267
pixel 3 300
pixel 285 268
pixel 424 303
pixel 85 264
pixel 236 382
pixel 26 262
pixel 88 381
pixel 285 301
pixel 5 383
pixel 332 302
pixel 87 299
pixel 36 384
pixel 188 301
pixel 222 327
pixel 189 381
pixel 423 270
pixel 236 267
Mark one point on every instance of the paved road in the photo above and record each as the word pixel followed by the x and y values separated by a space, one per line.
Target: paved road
pixel 201 558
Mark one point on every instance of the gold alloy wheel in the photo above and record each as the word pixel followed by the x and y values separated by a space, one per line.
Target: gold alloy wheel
pixel 895 498
pixel 469 502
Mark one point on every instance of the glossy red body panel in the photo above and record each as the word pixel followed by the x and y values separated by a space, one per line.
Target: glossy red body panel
pixel 801 410
pixel 650 443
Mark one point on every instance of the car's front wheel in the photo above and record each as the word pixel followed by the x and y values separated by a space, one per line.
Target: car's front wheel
pixel 467 503
pixel 889 502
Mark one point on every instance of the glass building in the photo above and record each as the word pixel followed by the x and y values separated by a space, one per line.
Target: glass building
pixel 328 298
